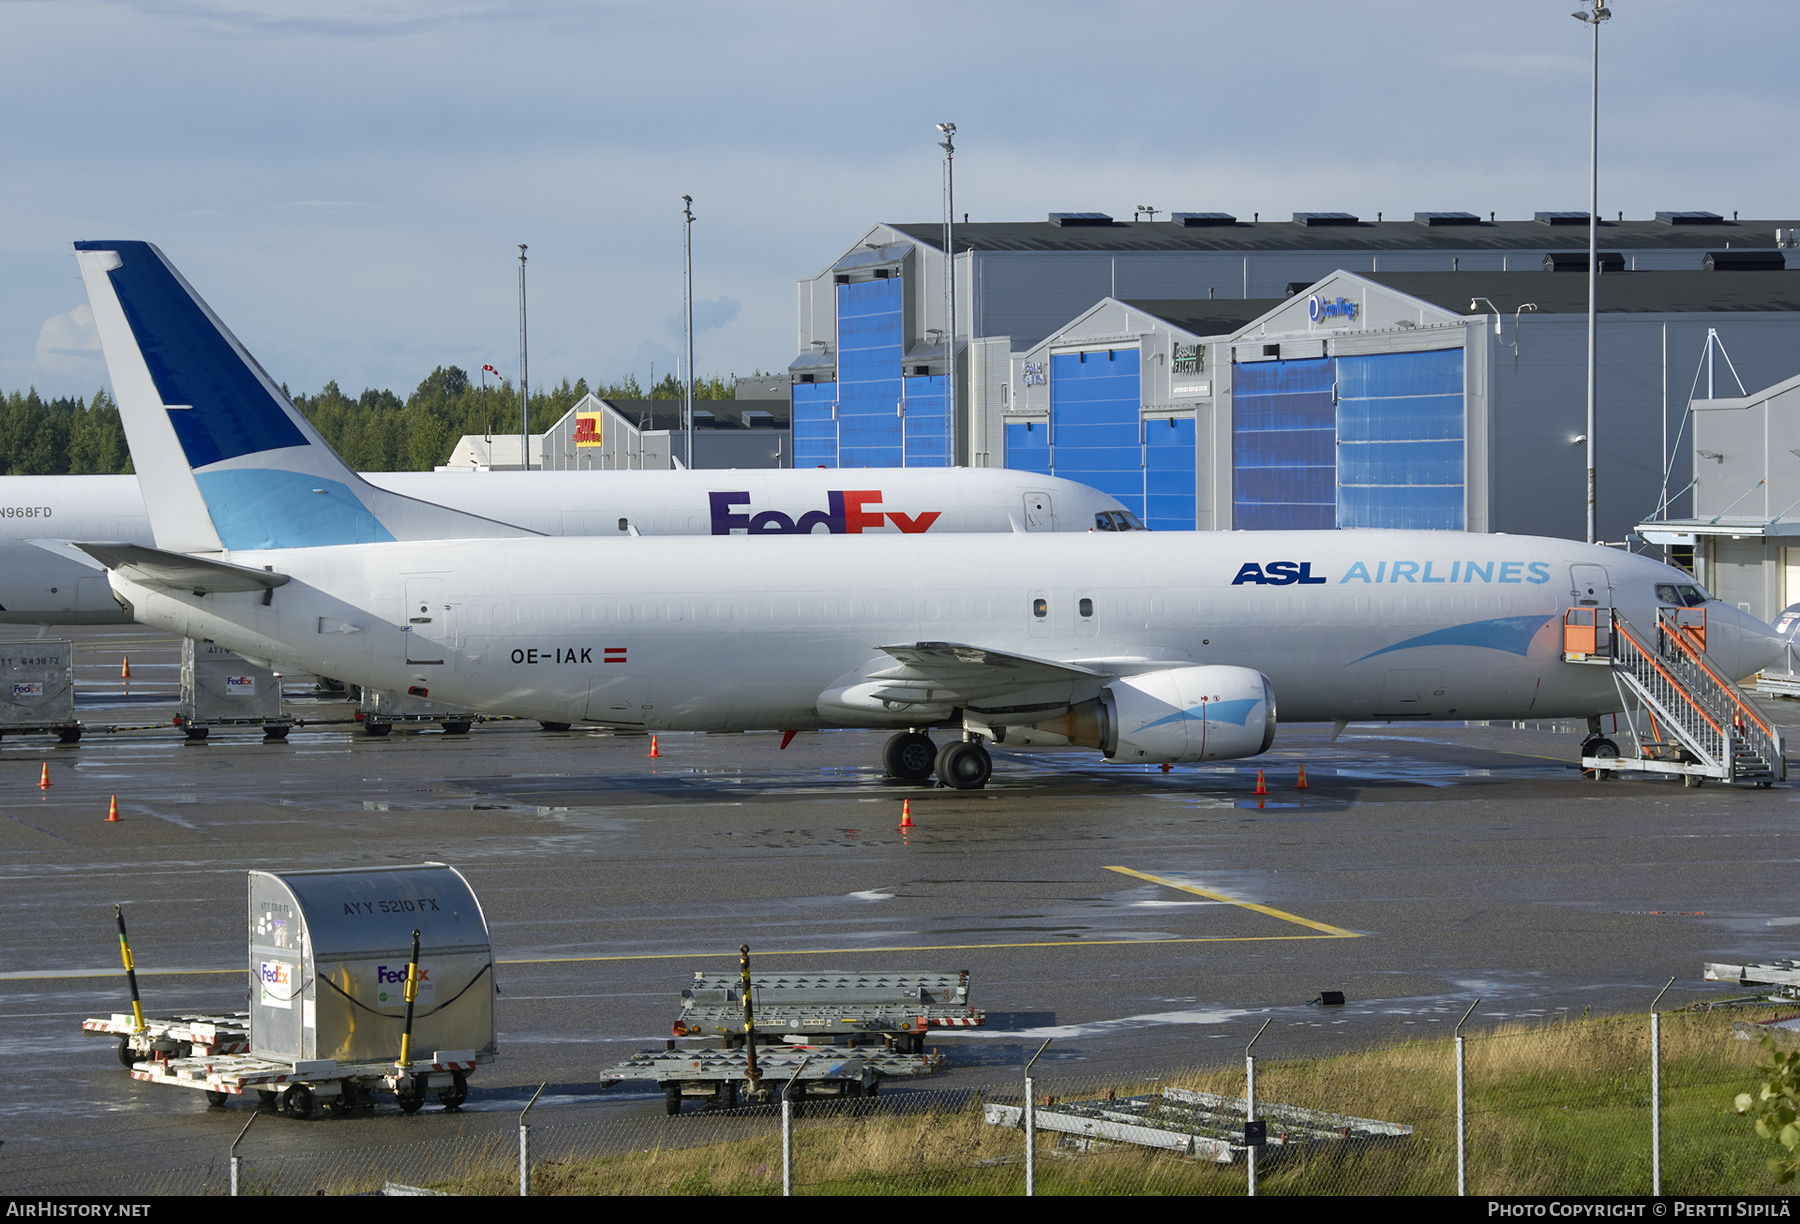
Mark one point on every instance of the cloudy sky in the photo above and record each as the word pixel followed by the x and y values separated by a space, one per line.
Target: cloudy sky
pixel 346 181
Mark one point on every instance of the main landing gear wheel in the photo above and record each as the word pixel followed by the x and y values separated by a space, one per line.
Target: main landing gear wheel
pixel 964 765
pixel 1598 746
pixel 908 756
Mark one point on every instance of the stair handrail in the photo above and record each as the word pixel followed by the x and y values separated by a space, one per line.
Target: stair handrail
pixel 1622 628
pixel 1684 642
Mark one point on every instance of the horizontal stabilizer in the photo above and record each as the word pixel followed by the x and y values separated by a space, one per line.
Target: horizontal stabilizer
pixel 172 571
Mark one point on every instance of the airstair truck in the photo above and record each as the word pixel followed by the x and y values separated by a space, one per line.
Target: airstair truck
pixel 329 1022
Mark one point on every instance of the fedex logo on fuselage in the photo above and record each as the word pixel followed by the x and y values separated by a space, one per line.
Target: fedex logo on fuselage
pixel 849 513
pixel 1288 573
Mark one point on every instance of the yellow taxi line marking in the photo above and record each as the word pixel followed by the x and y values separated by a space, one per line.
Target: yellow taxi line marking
pixel 647 956
pixel 1327 928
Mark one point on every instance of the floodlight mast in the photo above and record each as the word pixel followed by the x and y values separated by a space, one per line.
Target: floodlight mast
pixel 948 145
pixel 687 403
pixel 1593 17
pixel 524 377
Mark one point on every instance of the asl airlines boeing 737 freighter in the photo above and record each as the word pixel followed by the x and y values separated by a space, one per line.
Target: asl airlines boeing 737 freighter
pixel 43 588
pixel 1149 646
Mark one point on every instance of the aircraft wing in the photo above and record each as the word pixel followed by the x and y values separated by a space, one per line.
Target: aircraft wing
pixel 982 680
pixel 173 571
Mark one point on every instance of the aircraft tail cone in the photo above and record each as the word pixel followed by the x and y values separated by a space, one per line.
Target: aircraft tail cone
pixel 44 777
pixel 1262 787
pixel 906 820
pixel 654 750
pixel 112 811
pixel 1301 784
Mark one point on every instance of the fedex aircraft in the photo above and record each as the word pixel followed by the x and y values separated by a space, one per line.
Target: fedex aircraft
pixel 42 588
pixel 1146 646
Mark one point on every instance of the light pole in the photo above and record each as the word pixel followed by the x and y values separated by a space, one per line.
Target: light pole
pixel 687 403
pixel 1593 17
pixel 948 145
pixel 524 377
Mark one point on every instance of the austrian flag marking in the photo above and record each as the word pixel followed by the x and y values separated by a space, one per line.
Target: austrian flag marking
pixel 615 654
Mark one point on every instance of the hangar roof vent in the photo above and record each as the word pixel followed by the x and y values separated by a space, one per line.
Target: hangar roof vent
pixel 1195 220
pixel 1691 217
pixel 1082 218
pixel 1745 261
pixel 1310 219
pixel 1577 261
pixel 1560 218
pixel 1446 218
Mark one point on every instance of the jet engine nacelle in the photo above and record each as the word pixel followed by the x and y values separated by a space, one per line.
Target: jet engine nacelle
pixel 1179 714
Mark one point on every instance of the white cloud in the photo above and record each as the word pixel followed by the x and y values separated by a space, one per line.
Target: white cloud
pixel 708 315
pixel 68 343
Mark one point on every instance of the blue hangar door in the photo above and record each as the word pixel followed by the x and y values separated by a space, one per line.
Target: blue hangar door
pixel 1095 431
pixel 1364 441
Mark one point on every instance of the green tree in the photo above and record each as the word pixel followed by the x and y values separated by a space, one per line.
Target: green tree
pixel 1776 1108
pixel 97 438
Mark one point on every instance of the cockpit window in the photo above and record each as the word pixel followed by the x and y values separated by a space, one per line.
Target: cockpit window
pixel 1681 595
pixel 1117 520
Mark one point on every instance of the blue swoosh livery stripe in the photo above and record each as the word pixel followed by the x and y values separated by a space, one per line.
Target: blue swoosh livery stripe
pixel 1237 711
pixel 1513 634
pixel 271 508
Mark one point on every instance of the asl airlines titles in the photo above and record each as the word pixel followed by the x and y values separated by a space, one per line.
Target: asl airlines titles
pixel 1299 573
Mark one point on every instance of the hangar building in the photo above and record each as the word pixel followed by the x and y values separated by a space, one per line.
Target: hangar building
pixel 870 381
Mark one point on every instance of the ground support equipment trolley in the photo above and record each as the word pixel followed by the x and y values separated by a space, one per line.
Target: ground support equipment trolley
pixel 843 1007
pixel 349 971
pixel 723 1077
pixel 37 689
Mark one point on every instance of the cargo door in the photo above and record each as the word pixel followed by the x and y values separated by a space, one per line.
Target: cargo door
pixel 427 621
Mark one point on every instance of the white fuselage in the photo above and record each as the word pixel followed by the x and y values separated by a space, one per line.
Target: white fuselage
pixel 700 633
pixel 41 587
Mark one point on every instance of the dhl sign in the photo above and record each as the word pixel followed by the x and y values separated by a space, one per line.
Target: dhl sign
pixel 587 429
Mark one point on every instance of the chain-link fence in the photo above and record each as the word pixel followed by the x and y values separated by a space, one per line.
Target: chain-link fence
pixel 1563 1108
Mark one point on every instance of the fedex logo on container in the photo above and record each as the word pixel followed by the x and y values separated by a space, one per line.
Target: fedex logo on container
pixel 240 686
pixel 848 514
pixel 277 984
pixel 390 986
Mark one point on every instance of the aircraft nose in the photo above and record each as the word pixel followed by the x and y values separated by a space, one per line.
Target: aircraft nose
pixel 1753 643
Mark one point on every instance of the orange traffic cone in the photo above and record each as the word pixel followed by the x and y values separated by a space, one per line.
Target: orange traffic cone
pixel 1262 787
pixel 44 778
pixel 1166 767
pixel 906 821
pixel 654 750
pixel 1301 784
pixel 112 811
pixel 125 672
